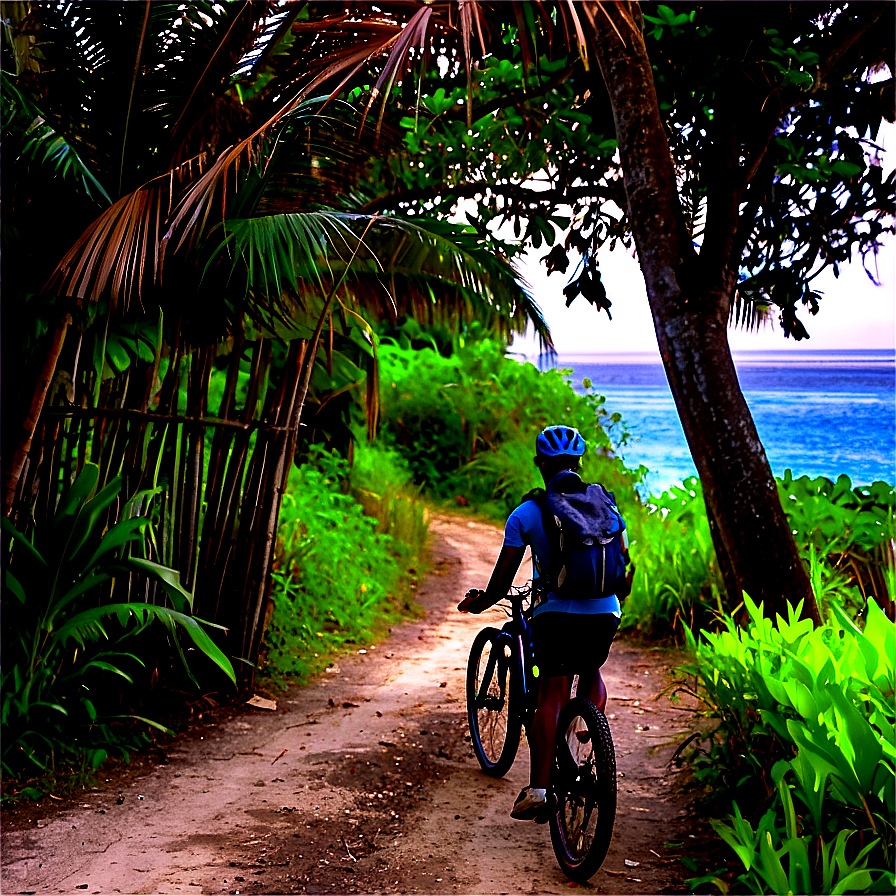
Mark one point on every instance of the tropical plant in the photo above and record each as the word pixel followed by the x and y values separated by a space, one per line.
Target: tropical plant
pixel 677 585
pixel 199 171
pixel 803 719
pixel 847 536
pixel 71 637
pixel 777 858
pixel 844 534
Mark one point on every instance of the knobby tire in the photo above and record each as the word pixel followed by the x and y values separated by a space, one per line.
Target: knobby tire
pixel 494 724
pixel 584 787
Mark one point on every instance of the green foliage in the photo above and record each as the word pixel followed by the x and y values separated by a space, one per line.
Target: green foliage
pixel 382 483
pixel 339 573
pixel 466 423
pixel 71 638
pixel 778 859
pixel 804 730
pixel 677 584
pixel 843 533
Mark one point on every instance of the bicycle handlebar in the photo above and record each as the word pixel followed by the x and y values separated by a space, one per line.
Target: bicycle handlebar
pixel 516 595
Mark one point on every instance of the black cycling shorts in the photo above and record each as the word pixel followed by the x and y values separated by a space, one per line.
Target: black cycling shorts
pixel 572 643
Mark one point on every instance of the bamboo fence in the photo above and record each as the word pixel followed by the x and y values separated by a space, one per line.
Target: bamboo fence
pixel 212 485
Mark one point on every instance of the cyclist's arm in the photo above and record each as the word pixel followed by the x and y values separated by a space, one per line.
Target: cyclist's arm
pixel 506 567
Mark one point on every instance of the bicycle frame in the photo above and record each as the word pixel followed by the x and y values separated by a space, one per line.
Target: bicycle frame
pixel 515 643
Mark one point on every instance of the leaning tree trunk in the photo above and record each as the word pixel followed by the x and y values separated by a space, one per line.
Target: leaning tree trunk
pixel 690 311
pixel 23 437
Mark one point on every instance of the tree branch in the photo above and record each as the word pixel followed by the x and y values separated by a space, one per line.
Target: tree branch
pixel 854 40
pixel 557 196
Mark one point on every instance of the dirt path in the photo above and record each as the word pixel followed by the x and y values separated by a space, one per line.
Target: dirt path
pixel 364 782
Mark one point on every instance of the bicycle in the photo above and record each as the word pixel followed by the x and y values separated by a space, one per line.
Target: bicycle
pixel 501 686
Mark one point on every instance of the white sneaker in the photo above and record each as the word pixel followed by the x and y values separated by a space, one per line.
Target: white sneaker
pixel 529 803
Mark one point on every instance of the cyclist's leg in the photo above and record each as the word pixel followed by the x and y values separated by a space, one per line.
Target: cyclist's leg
pixel 553 695
pixel 591 685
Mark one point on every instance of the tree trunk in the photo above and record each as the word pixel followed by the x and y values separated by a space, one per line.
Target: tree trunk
pixel 690 306
pixel 33 412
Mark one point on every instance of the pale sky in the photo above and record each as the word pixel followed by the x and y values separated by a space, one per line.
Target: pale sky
pixel 854 313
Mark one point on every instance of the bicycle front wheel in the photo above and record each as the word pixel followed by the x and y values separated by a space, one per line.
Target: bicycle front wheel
pixel 584 786
pixel 494 725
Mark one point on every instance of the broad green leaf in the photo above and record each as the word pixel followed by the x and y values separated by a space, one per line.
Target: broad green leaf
pixel 772 869
pixel 119 535
pixel 854 882
pixel 169 579
pixel 745 851
pixel 88 518
pixel 860 743
pixel 79 588
pixel 88 625
pixel 14 587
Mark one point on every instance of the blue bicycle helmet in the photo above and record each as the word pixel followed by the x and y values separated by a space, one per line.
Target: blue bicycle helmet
pixel 557 440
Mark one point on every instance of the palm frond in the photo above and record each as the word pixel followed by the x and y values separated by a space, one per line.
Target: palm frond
pixel 430 269
pixel 750 309
pixel 44 146
pixel 113 254
pixel 281 251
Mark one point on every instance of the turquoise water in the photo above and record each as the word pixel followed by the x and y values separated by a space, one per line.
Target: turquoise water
pixel 819 413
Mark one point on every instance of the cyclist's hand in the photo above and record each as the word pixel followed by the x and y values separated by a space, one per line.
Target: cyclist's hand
pixel 472 595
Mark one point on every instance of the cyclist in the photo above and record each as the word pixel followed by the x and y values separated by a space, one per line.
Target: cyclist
pixel 569 636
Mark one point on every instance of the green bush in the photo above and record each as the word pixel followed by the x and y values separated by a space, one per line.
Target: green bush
pixel 382 484
pixel 340 574
pixel 466 424
pixel 803 733
pixel 844 535
pixel 677 584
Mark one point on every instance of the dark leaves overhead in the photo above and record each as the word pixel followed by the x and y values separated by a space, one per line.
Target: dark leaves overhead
pixel 191 122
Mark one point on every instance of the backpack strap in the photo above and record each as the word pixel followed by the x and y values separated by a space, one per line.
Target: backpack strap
pixel 547 577
pixel 538 495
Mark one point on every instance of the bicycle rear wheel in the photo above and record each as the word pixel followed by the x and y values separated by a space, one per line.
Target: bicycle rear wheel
pixel 584 786
pixel 494 725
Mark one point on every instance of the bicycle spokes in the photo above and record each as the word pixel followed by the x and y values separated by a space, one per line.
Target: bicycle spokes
pixel 494 728
pixel 585 789
pixel 579 802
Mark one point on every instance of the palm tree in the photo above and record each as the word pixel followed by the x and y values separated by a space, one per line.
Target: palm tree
pixel 171 117
pixel 174 195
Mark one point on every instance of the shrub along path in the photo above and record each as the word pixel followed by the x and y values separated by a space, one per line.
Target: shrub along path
pixel 364 781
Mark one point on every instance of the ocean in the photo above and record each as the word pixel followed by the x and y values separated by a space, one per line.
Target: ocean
pixel 819 413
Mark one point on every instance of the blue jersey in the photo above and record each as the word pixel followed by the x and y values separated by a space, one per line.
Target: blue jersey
pixel 525 528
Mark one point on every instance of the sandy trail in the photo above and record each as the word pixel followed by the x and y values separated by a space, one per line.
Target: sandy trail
pixel 364 782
